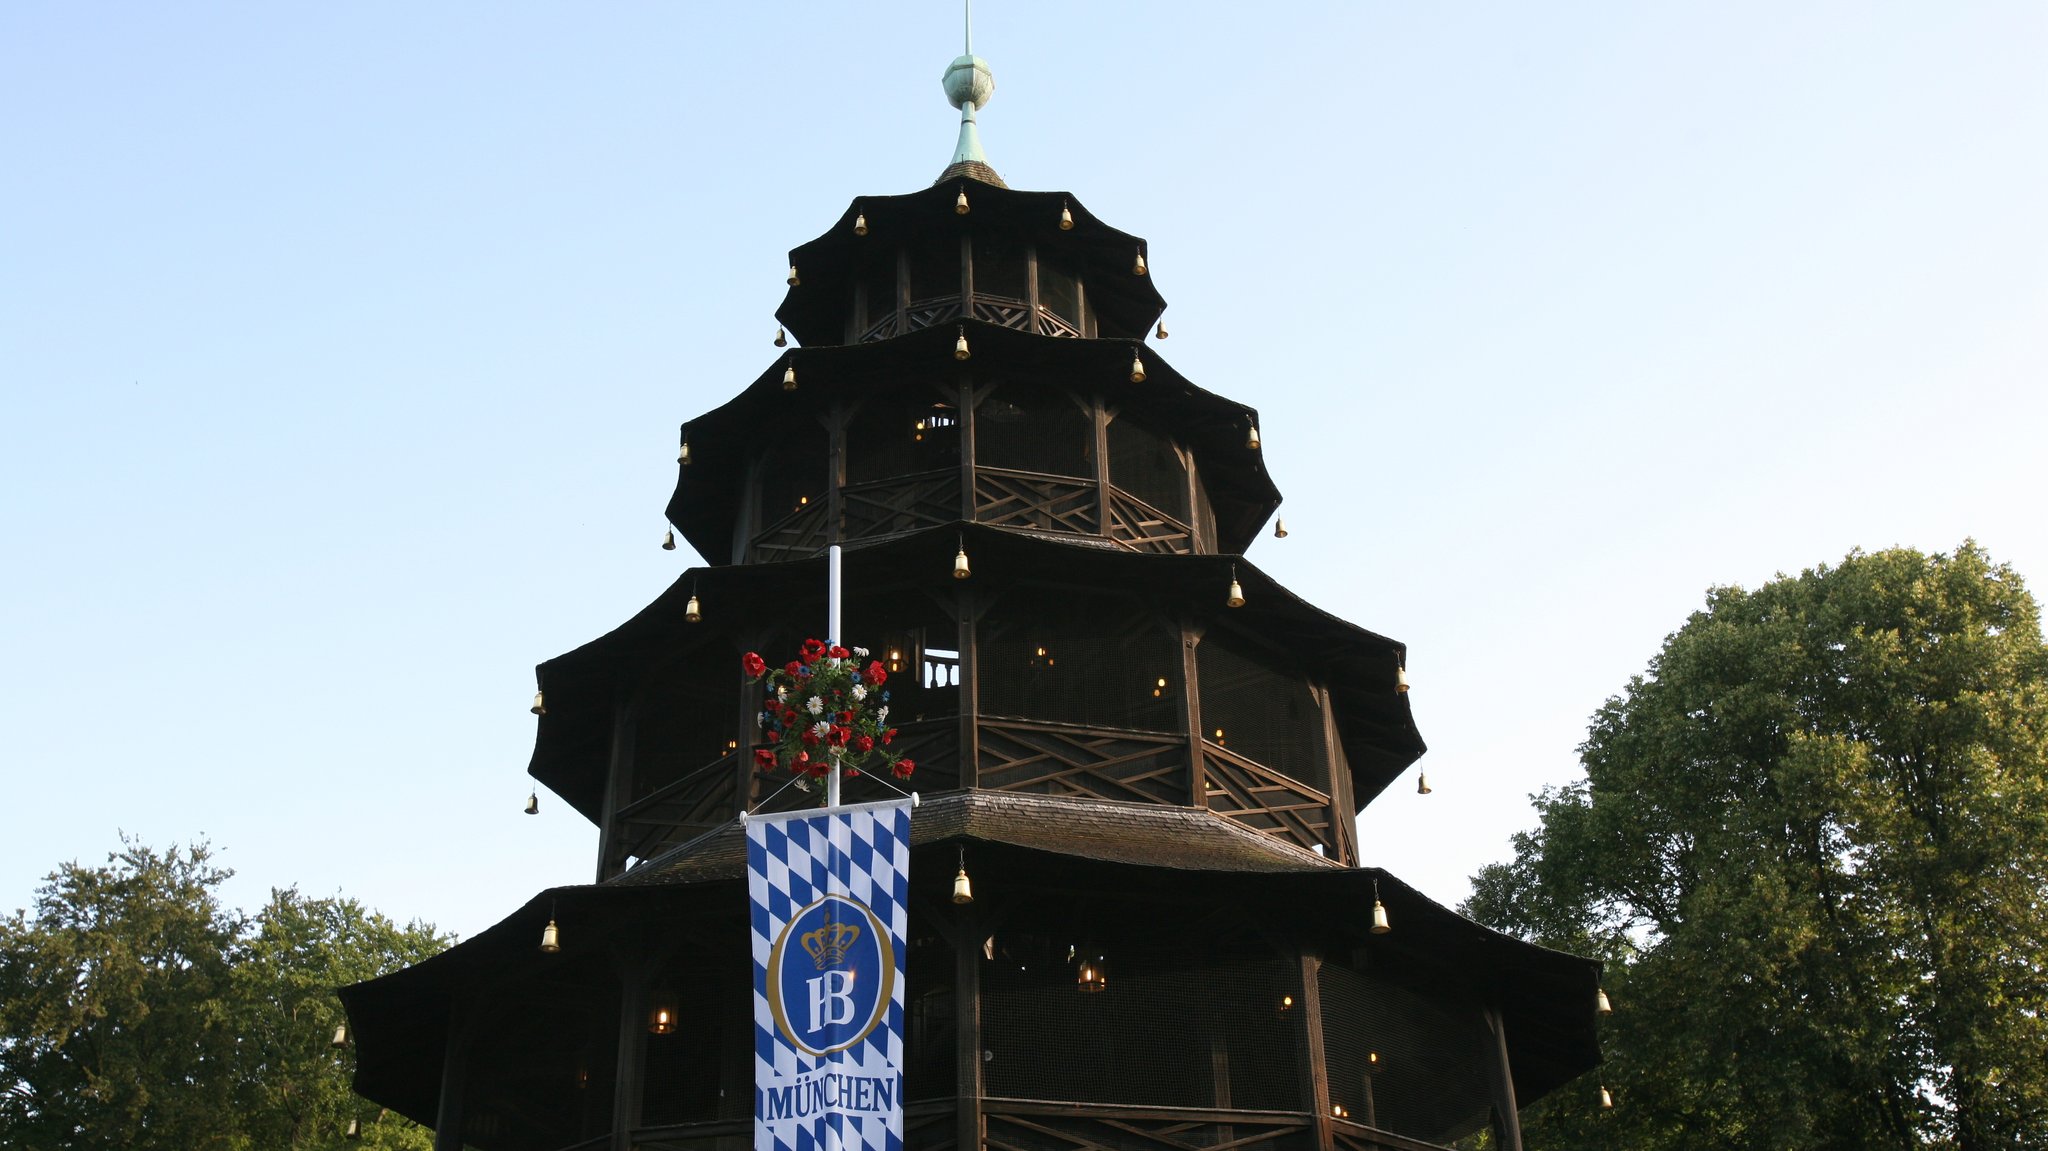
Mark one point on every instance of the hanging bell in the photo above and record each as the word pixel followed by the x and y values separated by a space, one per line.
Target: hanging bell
pixel 860 224
pixel 781 337
pixel 1606 1098
pixel 668 540
pixel 960 568
pixel 1251 438
pixel 960 204
pixel 1279 529
pixel 533 803
pixel 340 1036
pixel 793 281
pixel 1422 783
pixel 789 378
pixel 540 706
pixel 1066 219
pixel 1600 1004
pixel 693 611
pixel 551 937
pixel 1161 331
pixel 355 1130
pixel 1236 596
pixel 683 454
pixel 1138 265
pixel 1401 680
pixel 963 887
pixel 1137 369
pixel 1380 926
pixel 960 351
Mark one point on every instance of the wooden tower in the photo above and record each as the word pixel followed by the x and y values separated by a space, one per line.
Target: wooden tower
pixel 1147 755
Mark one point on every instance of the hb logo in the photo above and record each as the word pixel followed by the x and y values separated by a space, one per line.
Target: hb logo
pixel 833 987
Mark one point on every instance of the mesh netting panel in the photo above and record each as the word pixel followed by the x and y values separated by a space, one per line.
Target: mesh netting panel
pixel 928 1015
pixel 877 278
pixel 792 472
pixel 1161 1032
pixel 902 435
pixel 1033 430
pixel 934 258
pixel 1145 464
pixel 999 268
pixel 704 1069
pixel 1261 712
pixel 1058 291
pixel 1205 514
pixel 688 719
pixel 540 1069
pixel 1074 658
pixel 1402 1061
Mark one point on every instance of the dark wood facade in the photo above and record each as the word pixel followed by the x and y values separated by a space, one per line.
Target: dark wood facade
pixel 1144 773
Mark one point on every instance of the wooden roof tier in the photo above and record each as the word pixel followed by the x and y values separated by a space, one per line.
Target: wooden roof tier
pixel 710 490
pixel 1060 848
pixel 1374 723
pixel 814 310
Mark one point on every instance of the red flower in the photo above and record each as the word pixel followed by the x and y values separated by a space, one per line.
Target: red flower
pixel 903 768
pixel 792 667
pixel 812 650
pixel 838 737
pixel 753 665
pixel 889 736
pixel 764 758
pixel 876 675
pixel 838 652
pixel 789 716
pixel 846 717
pixel 864 744
pixel 810 738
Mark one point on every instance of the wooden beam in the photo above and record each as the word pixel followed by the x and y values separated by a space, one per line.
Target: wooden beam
pixel 967 1082
pixel 1191 702
pixel 618 790
pixel 630 1075
pixel 1507 1118
pixel 1312 1027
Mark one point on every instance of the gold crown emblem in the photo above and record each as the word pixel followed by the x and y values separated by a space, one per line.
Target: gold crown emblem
pixel 828 945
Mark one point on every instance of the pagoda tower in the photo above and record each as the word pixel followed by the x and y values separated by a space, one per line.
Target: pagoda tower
pixel 1141 757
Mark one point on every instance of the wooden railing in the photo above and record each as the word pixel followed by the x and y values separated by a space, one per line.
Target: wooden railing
pixel 901 503
pixel 1265 800
pixel 1066 759
pixel 1141 527
pixel 1006 497
pixel 1007 311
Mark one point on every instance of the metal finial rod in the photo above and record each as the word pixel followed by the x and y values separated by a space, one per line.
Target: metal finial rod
pixel 969 5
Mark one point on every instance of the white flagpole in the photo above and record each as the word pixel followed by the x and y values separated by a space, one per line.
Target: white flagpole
pixel 832 590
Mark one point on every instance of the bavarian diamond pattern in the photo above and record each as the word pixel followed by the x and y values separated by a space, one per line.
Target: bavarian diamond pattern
pixel 794 860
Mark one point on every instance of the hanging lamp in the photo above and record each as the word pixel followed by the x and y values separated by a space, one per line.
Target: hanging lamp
pixel 540 706
pixel 960 351
pixel 1236 596
pixel 963 887
pixel 1092 976
pixel 661 1014
pixel 1380 926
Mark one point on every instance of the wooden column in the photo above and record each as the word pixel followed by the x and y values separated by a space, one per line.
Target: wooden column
pixel 1312 1028
pixel 902 291
pixel 969 397
pixel 1191 695
pixel 628 1078
pixel 1031 288
pixel 1507 1118
pixel 967 1062
pixel 618 791
pixel 1100 415
pixel 448 1113
pixel 1337 781
pixel 966 276
pixel 969 691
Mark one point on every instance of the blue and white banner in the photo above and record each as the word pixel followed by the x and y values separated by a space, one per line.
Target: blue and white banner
pixel 830 892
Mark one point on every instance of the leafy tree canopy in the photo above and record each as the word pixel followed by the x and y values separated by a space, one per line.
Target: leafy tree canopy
pixel 1812 843
pixel 138 1012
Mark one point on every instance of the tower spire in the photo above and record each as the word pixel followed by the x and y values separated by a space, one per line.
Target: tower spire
pixel 969 83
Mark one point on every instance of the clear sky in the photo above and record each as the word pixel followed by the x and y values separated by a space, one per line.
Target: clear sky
pixel 343 349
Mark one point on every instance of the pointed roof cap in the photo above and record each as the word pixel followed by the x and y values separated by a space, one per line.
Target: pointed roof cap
pixel 969 83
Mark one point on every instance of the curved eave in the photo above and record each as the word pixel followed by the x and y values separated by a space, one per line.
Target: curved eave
pixel 705 504
pixel 1545 997
pixel 1374 723
pixel 814 310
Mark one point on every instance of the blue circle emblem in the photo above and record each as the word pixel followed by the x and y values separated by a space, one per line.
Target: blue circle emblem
pixel 830 975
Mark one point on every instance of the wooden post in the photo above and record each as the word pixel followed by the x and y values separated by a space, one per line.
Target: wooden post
pixel 1337 781
pixel 967 1065
pixel 969 691
pixel 1191 695
pixel 618 791
pixel 448 1113
pixel 1507 1119
pixel 1318 1067
pixel 966 276
pixel 629 1077
pixel 1100 415
pixel 1031 288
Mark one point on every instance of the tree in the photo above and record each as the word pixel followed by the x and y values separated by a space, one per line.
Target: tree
pixel 1812 843
pixel 138 1012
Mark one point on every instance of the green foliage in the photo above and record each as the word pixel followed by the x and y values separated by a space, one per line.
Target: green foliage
pixel 1812 844
pixel 137 1012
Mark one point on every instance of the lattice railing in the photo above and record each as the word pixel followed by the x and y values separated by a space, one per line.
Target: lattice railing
pixel 795 536
pixel 901 504
pixel 1141 527
pixel 1016 1125
pixel 1265 800
pixel 1003 311
pixel 1008 498
pixel 934 744
pixel 1059 759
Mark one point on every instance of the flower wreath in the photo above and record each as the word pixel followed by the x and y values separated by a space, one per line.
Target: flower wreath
pixel 824 708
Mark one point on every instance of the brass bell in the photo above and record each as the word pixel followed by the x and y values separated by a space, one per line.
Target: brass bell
pixel 1380 925
pixel 1137 369
pixel 1422 783
pixel 540 706
pixel 340 1036
pixel 1401 680
pixel 960 351
pixel 1279 529
pixel 781 337
pixel 533 803
pixel 860 224
pixel 1600 1004
pixel 1236 596
pixel 668 540
pixel 960 568
pixel 963 887
pixel 1138 265
pixel 1161 332
pixel 1066 219
pixel 960 204
pixel 1251 438
pixel 789 378
pixel 551 937
pixel 683 454
pixel 693 611
pixel 355 1130
pixel 1606 1098
pixel 793 281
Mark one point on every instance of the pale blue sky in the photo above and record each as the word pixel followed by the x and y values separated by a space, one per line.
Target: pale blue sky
pixel 343 349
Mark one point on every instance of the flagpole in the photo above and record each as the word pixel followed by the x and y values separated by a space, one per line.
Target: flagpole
pixel 832 638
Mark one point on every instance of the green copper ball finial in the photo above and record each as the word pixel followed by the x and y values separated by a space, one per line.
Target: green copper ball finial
pixel 969 84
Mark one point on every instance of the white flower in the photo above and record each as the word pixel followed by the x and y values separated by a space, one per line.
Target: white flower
pixel 860 691
pixel 861 652
pixel 816 705
pixel 882 716
pixel 822 728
